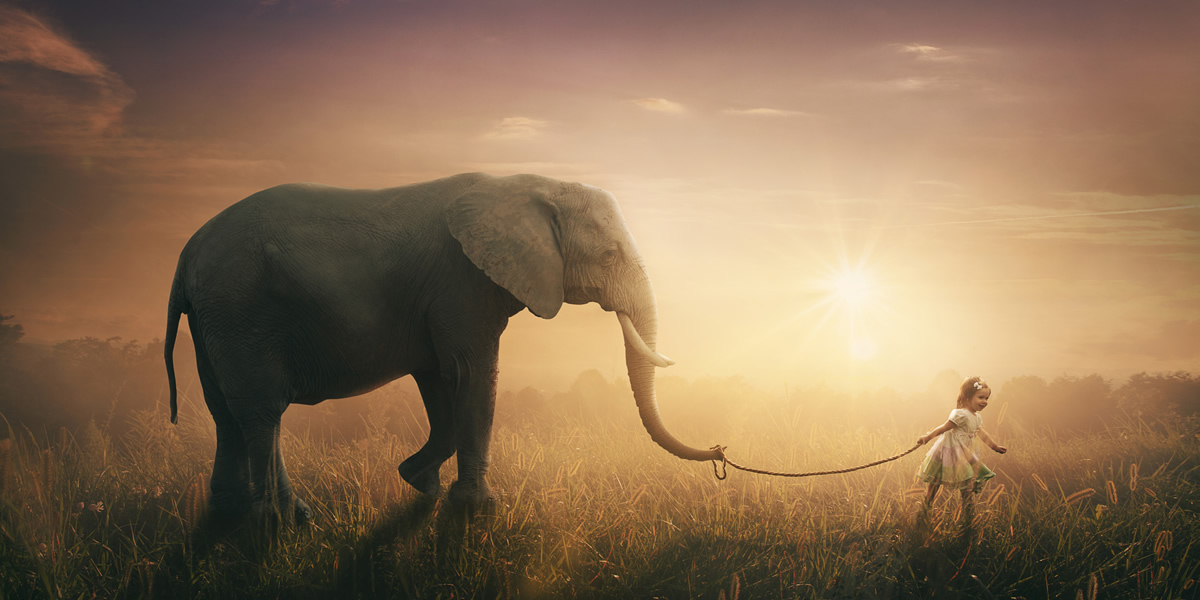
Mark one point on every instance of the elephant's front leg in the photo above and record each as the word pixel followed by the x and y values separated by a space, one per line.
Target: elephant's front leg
pixel 421 470
pixel 474 406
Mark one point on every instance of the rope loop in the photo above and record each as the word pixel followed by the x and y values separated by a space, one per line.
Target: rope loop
pixel 724 473
pixel 726 462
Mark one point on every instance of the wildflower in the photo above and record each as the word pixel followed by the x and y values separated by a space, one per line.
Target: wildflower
pixel 157 491
pixel 78 507
pixel 1100 508
pixel 139 490
pixel 97 508
pixel 1133 477
pixel 41 550
pixel 1112 491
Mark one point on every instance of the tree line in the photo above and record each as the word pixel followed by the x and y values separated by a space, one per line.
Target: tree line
pixel 107 381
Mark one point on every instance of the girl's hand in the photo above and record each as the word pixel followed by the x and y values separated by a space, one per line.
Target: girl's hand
pixel 1000 449
pixel 921 440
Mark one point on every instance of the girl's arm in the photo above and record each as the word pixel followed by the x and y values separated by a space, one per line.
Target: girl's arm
pixel 947 426
pixel 987 439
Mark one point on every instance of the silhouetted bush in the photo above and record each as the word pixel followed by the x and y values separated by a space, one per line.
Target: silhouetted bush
pixel 1160 394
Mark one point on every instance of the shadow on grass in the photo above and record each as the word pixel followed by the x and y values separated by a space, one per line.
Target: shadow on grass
pixel 228 552
pixel 364 571
pixel 429 548
pixel 907 560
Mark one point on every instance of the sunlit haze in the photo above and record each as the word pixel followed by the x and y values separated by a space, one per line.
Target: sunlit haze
pixel 858 194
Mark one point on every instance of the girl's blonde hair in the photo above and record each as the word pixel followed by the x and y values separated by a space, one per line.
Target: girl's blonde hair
pixel 967 390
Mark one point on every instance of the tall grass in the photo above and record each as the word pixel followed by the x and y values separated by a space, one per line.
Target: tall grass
pixel 596 510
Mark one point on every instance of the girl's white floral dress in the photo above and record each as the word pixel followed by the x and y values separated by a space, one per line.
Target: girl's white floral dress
pixel 952 461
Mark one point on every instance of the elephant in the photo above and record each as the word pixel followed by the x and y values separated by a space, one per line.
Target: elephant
pixel 305 292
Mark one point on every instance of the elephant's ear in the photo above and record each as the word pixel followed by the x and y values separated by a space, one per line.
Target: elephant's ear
pixel 510 232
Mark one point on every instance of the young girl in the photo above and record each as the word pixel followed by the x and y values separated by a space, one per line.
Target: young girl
pixel 952 461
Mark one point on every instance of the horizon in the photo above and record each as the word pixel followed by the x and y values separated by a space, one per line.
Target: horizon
pixel 560 382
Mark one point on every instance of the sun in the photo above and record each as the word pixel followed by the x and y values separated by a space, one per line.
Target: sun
pixel 850 297
pixel 852 288
pixel 852 294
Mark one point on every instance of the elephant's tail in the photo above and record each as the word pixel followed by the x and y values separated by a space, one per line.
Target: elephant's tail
pixel 176 306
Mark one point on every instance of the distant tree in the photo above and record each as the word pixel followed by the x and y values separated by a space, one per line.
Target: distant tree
pixel 528 403
pixel 1082 403
pixel 1065 405
pixel 1160 394
pixel 9 334
pixel 591 396
pixel 1026 396
pixel 14 380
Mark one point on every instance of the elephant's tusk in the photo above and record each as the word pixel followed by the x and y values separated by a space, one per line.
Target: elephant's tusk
pixel 635 339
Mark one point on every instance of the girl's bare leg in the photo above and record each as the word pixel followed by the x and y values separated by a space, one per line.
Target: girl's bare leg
pixel 931 493
pixel 968 507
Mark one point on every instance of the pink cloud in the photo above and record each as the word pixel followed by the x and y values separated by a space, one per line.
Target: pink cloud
pixel 53 95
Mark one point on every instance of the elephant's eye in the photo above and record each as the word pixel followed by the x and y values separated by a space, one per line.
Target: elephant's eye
pixel 609 258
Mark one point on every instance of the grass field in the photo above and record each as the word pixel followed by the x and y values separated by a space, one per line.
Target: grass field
pixel 599 511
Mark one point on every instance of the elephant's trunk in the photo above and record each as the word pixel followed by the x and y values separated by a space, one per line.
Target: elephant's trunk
pixel 640 327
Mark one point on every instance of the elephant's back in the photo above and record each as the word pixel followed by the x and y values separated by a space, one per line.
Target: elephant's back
pixel 305 218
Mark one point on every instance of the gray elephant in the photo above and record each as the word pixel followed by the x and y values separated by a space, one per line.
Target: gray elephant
pixel 303 292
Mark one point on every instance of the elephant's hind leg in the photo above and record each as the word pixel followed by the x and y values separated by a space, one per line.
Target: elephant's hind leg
pixel 231 472
pixel 271 488
pixel 422 469
pixel 230 483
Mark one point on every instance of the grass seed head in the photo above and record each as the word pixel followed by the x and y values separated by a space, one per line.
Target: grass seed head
pixel 1080 495
pixel 1162 544
pixel 1041 484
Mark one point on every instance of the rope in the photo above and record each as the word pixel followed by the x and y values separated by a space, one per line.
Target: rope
pixel 725 461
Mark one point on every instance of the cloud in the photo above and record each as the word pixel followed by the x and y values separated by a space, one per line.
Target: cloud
pixel 1096 226
pixel 928 53
pixel 764 112
pixel 660 105
pixel 516 128
pixel 1174 340
pixel 551 169
pixel 938 183
pixel 905 85
pixel 53 94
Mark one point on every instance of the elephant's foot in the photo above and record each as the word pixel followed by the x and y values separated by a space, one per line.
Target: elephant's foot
pixel 423 477
pixel 301 512
pixel 290 510
pixel 473 495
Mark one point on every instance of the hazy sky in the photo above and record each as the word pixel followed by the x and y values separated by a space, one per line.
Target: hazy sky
pixel 1017 184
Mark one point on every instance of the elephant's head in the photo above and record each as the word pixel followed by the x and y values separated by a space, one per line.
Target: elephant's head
pixel 549 242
